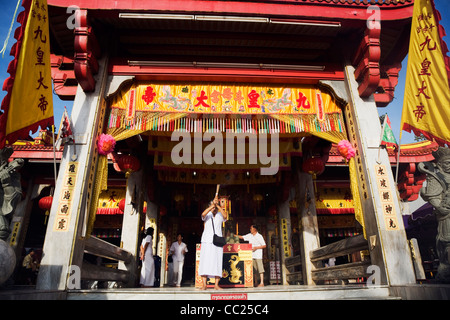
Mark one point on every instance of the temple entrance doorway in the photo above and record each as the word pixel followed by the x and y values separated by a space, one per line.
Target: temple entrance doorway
pixel 250 204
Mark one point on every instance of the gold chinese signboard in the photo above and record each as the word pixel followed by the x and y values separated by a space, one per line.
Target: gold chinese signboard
pixel 66 197
pixel 285 239
pixel 386 196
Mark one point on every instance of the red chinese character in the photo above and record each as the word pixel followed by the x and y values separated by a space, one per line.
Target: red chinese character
pixel 37 33
pixel 42 103
pixel 302 101
pixel 425 66
pixel 253 99
pixel 201 100
pixel 40 57
pixel 41 82
pixel 427 44
pixel 149 95
pixel 422 91
pixel 419 112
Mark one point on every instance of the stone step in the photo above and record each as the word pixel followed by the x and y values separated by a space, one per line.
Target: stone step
pixel 265 293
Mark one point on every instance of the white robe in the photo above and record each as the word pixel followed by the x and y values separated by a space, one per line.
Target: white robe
pixel 148 265
pixel 211 256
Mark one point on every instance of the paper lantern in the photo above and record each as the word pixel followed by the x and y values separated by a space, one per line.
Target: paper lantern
pixel 273 211
pixel 313 166
pixel 162 211
pixel 46 203
pixel 128 164
pixel 122 205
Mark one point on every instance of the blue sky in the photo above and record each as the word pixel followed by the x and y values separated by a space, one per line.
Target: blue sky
pixel 393 110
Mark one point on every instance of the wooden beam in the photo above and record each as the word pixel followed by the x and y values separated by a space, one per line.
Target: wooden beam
pixel 341 272
pixel 104 249
pixel 286 8
pixel 340 248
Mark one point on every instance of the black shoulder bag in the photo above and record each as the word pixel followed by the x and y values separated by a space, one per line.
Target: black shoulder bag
pixel 218 241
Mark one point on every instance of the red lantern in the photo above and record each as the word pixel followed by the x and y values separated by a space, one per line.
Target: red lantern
pixel 46 204
pixel 273 211
pixel 314 166
pixel 128 164
pixel 122 205
pixel 162 211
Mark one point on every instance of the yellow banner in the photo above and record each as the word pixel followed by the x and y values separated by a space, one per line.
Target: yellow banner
pixel 210 98
pixel 31 102
pixel 230 108
pixel 334 201
pixel 426 106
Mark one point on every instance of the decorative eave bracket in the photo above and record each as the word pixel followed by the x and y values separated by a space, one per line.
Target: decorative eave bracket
pixel 388 82
pixel 87 51
pixel 367 62
pixel 372 77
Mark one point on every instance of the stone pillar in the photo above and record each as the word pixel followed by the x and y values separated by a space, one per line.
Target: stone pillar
pixel 130 227
pixel 309 227
pixel 385 231
pixel 63 246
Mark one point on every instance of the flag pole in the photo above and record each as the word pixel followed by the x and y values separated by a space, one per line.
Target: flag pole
pixel 54 152
pixel 381 138
pixel 398 157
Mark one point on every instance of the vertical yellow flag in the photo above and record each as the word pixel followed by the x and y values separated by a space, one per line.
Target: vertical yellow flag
pixel 426 105
pixel 31 103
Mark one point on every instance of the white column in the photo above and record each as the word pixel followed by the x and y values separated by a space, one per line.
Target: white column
pixel 65 248
pixel 309 231
pixel 130 225
pixel 389 248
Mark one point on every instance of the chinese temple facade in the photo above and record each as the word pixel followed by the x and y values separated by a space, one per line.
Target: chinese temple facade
pixel 176 82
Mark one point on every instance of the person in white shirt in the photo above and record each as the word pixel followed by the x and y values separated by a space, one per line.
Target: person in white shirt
pixel 178 249
pixel 258 244
pixel 211 256
pixel 147 278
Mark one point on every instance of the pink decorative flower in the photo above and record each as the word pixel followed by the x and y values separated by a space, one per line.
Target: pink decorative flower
pixel 106 144
pixel 346 150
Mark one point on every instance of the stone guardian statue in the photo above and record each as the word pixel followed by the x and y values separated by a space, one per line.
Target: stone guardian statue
pixel 10 196
pixel 437 193
pixel 10 191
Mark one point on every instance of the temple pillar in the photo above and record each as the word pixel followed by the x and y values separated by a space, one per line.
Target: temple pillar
pixel 67 223
pixel 309 227
pixel 384 228
pixel 134 201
